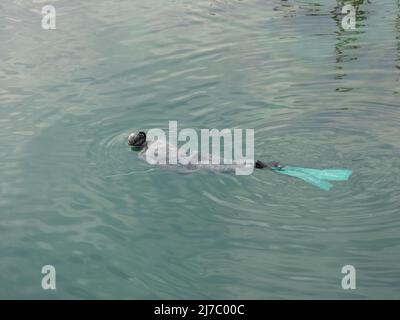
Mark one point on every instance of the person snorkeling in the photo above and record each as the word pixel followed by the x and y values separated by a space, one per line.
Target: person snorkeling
pixel 316 177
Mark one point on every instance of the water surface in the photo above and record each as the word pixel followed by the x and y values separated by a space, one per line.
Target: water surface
pixel 73 195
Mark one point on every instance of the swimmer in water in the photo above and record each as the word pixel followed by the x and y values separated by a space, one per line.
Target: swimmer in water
pixel 138 142
pixel 317 177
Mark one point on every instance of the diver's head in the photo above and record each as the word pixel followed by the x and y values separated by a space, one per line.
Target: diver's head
pixel 137 139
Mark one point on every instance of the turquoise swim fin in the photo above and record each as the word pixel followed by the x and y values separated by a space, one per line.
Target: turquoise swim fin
pixel 324 174
pixel 316 177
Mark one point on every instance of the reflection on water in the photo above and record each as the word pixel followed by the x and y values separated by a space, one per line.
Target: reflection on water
pixel 75 196
pixel 347 45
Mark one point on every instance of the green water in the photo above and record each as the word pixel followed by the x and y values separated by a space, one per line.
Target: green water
pixel 73 195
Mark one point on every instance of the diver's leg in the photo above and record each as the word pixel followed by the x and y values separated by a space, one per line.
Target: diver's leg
pixel 273 164
pixel 260 165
